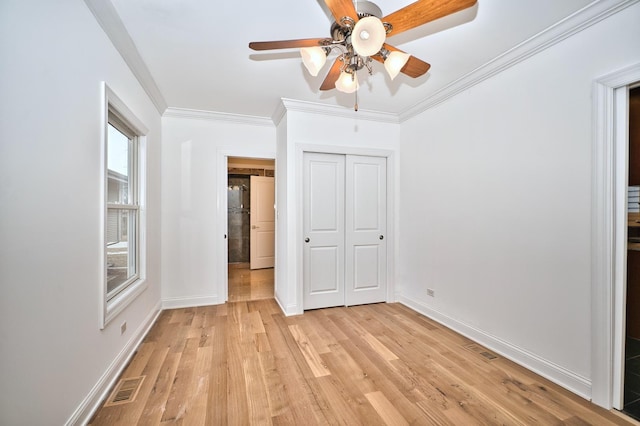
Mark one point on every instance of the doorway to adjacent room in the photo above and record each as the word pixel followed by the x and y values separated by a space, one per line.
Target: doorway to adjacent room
pixel 250 228
pixel 631 377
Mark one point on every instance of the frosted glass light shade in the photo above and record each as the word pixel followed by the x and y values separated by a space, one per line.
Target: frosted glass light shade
pixel 368 36
pixel 347 83
pixel 313 59
pixel 394 63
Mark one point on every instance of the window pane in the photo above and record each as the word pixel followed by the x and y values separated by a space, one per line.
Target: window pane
pixel 118 173
pixel 121 249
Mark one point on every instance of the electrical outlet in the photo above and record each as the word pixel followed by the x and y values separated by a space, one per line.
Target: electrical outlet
pixel 123 327
pixel 431 293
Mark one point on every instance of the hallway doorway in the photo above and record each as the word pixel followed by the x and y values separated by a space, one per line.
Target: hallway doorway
pixel 631 378
pixel 243 282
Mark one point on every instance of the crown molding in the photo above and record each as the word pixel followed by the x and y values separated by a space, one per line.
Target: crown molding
pixel 573 24
pixel 108 18
pixel 338 111
pixel 279 113
pixel 196 114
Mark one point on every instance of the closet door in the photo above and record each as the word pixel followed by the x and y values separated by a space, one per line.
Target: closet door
pixel 365 230
pixel 344 224
pixel 323 223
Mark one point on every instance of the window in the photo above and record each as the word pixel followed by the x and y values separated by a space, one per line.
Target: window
pixel 124 225
pixel 122 207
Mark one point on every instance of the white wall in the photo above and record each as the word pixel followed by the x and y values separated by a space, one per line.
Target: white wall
pixel 495 203
pixel 53 57
pixel 194 198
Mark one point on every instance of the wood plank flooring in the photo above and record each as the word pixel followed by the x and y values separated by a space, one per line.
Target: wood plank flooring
pixel 246 284
pixel 244 363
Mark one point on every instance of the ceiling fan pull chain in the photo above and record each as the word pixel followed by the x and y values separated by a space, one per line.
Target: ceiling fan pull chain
pixel 355 107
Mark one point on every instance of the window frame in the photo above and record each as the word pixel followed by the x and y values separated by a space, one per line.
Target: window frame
pixel 115 111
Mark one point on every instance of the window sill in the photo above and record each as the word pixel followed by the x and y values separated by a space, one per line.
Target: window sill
pixel 122 300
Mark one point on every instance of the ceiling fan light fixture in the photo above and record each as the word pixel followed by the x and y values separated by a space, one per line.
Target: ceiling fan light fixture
pixel 368 36
pixel 313 59
pixel 347 82
pixel 394 63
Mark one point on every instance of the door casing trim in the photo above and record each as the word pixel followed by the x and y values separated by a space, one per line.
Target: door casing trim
pixel 606 246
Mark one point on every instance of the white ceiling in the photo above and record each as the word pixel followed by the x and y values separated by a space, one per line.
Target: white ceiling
pixel 197 50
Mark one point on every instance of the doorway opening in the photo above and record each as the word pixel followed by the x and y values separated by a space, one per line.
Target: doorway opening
pixel 250 228
pixel 631 378
pixel 609 234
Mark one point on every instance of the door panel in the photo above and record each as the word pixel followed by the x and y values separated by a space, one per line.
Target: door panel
pixel 365 277
pixel 366 199
pixel 365 233
pixel 323 264
pixel 323 225
pixel 262 218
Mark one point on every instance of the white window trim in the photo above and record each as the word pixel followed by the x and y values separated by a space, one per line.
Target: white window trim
pixel 110 309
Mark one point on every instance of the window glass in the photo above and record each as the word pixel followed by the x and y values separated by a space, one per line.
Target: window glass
pixel 121 259
pixel 118 161
pixel 122 208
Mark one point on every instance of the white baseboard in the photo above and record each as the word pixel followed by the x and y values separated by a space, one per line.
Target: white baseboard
pixel 190 302
pixel 574 382
pixel 289 310
pixel 91 403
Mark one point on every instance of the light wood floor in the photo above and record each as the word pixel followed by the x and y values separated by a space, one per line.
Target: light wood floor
pixel 246 284
pixel 245 363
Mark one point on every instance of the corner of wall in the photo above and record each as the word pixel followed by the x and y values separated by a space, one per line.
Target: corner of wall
pixel 289 310
pixel 279 113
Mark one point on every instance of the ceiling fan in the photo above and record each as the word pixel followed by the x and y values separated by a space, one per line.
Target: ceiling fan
pixel 359 33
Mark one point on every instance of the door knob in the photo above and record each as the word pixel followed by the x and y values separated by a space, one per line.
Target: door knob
pixel 381 237
pixel 306 240
pixel 254 227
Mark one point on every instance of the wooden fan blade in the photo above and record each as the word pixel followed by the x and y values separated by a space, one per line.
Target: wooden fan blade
pixel 286 44
pixel 342 8
pixel 413 68
pixel 423 11
pixel 331 78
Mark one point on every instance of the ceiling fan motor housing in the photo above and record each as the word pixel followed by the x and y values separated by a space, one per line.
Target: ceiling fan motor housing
pixel 342 31
pixel 367 8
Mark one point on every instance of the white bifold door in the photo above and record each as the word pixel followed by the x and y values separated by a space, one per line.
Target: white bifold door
pixel 344 220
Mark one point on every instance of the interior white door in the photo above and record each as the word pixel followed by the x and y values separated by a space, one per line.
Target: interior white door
pixel 365 226
pixel 262 222
pixel 344 223
pixel 323 224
